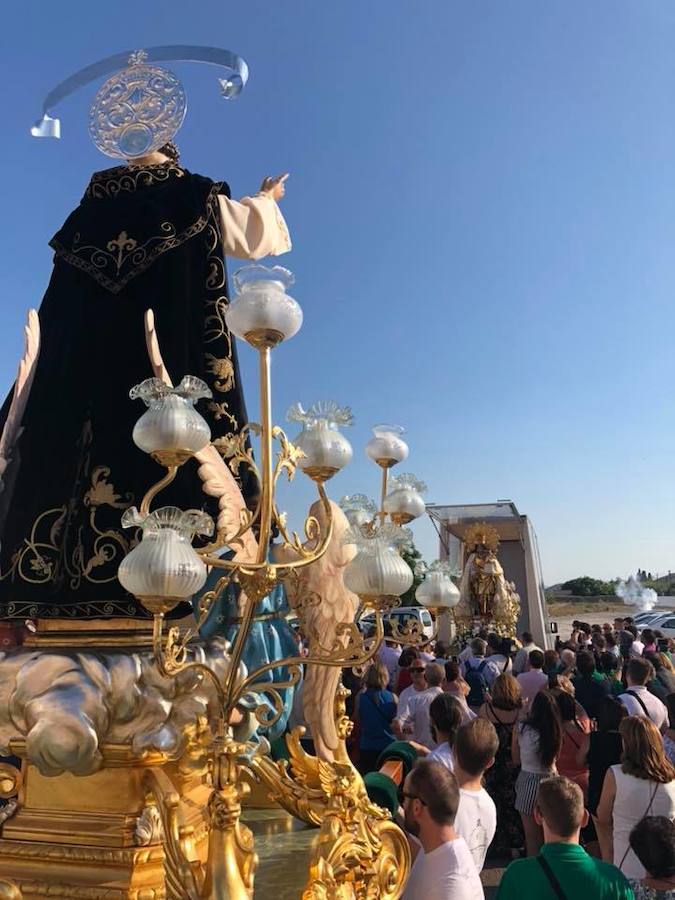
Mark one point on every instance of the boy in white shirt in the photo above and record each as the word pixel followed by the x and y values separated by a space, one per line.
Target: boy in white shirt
pixel 475 748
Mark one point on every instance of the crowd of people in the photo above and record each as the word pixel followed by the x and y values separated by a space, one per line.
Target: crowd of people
pixel 560 761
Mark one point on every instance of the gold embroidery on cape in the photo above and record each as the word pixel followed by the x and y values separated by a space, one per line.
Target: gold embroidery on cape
pixel 112 182
pixel 94 260
pixel 219 411
pixel 223 369
pixel 124 249
pixel 219 368
pixel 45 555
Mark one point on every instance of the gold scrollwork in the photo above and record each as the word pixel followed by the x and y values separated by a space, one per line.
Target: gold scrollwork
pixel 114 271
pixel 54 549
pixel 222 369
pixel 127 179
pixel 360 852
pixel 184 878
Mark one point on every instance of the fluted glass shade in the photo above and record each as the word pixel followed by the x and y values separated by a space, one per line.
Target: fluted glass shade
pixel 325 449
pixel 387 447
pixel 382 573
pixel 378 570
pixel 171 429
pixel 404 502
pixel 358 509
pixel 437 590
pixel 164 568
pixel 262 313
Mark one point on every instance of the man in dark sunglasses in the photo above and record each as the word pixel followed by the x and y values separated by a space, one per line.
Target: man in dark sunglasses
pixel 443 868
pixel 418 683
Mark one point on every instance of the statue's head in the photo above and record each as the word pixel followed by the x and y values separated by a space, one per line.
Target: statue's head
pixel 168 152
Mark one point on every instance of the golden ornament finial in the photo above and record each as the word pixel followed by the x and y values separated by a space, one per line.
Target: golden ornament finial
pixel 481 533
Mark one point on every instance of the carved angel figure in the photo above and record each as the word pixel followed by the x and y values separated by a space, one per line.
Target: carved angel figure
pixel 323 604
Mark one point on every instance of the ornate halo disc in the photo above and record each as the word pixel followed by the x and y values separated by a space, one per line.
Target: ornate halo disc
pixel 137 111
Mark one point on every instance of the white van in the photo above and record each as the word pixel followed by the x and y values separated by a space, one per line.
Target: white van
pixel 400 616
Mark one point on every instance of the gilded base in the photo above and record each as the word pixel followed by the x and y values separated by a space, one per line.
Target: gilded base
pixel 77 837
pixel 98 633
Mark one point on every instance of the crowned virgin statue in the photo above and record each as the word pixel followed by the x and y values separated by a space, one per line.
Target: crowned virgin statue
pixel 485 595
pixel 146 233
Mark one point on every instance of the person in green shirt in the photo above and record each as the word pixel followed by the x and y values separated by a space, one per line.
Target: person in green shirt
pixel 563 870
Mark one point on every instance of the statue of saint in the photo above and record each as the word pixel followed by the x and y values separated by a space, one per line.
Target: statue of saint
pixel 485 595
pixel 148 233
pixel 486 575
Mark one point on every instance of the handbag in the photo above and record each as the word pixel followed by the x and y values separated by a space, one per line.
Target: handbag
pixel 646 813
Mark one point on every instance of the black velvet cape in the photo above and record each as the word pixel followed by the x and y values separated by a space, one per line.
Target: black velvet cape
pixel 140 238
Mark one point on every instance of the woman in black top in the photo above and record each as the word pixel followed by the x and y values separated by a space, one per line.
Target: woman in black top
pixel 602 748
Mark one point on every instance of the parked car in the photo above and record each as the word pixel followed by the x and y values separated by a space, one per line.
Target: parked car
pixel 664 623
pixel 399 617
pixel 644 620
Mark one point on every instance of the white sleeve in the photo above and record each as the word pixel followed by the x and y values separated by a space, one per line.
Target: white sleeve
pixel 253 227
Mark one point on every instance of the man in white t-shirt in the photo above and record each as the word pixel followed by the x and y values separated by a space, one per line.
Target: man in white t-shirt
pixel 521 660
pixel 389 654
pixel 444 868
pixel 499 663
pixel 475 748
pixel 418 684
pixel 535 679
pixel 637 699
pixel 415 723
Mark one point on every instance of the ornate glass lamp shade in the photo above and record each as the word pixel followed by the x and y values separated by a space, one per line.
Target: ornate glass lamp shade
pixel 359 509
pixel 387 447
pixel 404 502
pixel 171 430
pixel 437 590
pixel 382 573
pixel 326 451
pixel 378 570
pixel 164 568
pixel 262 313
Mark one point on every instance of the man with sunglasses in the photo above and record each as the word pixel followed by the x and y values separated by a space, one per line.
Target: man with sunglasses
pixel 416 670
pixel 443 868
pixel 414 722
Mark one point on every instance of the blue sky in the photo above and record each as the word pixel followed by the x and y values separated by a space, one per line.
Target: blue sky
pixel 482 202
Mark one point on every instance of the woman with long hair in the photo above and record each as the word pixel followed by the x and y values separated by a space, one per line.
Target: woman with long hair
pixel 642 785
pixel 575 728
pixel 375 711
pixel 503 708
pixel 455 685
pixel 602 748
pixel 535 746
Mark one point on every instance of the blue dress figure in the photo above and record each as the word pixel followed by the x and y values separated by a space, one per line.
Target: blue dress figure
pixel 270 638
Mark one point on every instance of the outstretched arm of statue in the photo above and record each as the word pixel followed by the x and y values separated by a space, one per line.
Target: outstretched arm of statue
pixel 253 227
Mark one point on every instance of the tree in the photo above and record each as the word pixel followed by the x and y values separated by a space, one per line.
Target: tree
pixel 588 587
pixel 412 556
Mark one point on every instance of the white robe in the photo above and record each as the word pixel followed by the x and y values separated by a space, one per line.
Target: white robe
pixel 253 227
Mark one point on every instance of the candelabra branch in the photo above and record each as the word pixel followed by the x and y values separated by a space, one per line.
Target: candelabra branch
pixel 164 482
pixel 355 654
pixel 383 493
pixel 266 441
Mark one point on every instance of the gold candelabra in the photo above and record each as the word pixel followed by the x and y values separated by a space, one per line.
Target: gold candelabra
pixel 164 569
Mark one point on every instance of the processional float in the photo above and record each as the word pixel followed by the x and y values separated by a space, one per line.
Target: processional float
pixel 134 737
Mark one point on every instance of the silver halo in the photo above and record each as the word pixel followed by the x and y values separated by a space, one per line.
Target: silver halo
pixel 137 111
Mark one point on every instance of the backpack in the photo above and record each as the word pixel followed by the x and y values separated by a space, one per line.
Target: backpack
pixel 477 684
